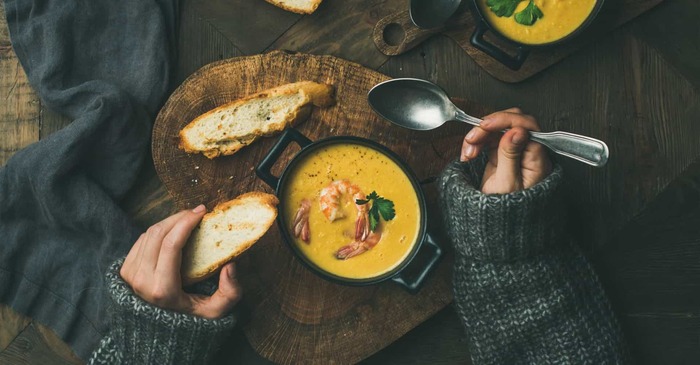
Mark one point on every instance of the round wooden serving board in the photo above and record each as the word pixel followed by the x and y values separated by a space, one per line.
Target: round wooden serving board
pixel 295 316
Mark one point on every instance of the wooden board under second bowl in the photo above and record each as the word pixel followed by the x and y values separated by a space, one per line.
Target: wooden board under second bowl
pixel 295 315
pixel 460 28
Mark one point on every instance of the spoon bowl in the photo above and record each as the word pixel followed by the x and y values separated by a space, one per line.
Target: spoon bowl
pixel 412 103
pixel 421 105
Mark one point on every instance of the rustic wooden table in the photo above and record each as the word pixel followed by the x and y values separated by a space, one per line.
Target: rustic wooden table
pixel 637 88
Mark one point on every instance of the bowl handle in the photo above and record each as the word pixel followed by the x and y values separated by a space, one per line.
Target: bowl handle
pixel 413 285
pixel 263 169
pixel 512 62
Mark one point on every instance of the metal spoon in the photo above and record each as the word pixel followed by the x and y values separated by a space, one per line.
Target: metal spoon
pixel 421 105
pixel 428 14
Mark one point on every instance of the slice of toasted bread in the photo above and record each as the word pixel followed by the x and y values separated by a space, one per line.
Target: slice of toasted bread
pixel 230 127
pixel 225 232
pixel 297 6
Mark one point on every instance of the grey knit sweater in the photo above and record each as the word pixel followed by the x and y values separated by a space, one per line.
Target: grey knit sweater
pixel 525 295
pixel 144 334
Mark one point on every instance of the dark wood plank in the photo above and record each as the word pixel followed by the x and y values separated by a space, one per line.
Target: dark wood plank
pixel 30 348
pixel 663 339
pixel 672 29
pixel 652 274
pixel 148 202
pixel 440 340
pixel 251 25
pixel 199 40
pixel 341 28
pixel 238 350
pixel 643 108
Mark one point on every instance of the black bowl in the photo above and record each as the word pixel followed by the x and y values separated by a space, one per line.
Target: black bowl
pixel 521 50
pixel 424 240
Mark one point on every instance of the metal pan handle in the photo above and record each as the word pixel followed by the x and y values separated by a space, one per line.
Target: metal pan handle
pixel 413 285
pixel 512 62
pixel 263 169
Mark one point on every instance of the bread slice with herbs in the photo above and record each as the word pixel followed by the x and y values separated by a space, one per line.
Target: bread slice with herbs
pixel 224 233
pixel 297 6
pixel 230 127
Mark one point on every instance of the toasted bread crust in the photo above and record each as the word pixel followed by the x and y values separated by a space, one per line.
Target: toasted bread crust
pixel 295 10
pixel 264 198
pixel 320 95
pixel 268 200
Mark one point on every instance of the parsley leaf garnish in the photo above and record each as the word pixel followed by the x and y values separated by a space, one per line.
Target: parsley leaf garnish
pixel 506 8
pixel 380 207
pixel 529 15
pixel 503 7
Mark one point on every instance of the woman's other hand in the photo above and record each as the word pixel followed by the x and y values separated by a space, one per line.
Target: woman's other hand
pixel 152 269
pixel 514 162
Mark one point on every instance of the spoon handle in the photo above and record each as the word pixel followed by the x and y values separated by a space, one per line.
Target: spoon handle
pixel 585 149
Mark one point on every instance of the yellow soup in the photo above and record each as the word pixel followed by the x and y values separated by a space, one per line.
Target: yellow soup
pixel 370 170
pixel 561 17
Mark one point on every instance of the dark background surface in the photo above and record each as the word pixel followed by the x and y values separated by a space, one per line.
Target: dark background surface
pixel 638 218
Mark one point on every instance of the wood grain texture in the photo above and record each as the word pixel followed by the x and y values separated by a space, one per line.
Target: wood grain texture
pixel 652 274
pixel 12 325
pixel 628 105
pixel 55 345
pixel 251 25
pixel 395 34
pixel 22 122
pixel 296 315
pixel 30 348
pixel 200 41
pixel 646 109
pixel 672 30
pixel 340 28
pixel 440 340
pixel 20 110
pixel 643 108
pixel 51 122
pixel 460 28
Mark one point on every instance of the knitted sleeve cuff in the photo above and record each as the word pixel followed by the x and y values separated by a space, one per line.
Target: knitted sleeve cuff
pixel 499 227
pixel 148 334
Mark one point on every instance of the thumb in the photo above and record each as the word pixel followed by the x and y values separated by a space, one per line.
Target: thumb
pixel 510 153
pixel 224 298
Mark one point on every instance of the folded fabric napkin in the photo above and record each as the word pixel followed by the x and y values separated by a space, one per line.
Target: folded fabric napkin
pixel 107 65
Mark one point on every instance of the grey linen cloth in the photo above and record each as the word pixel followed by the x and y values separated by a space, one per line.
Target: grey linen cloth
pixel 526 295
pixel 106 65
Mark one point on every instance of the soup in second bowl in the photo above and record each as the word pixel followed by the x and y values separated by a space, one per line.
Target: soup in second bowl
pixel 329 229
pixel 558 18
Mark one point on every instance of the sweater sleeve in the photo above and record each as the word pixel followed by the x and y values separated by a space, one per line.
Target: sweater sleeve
pixel 525 294
pixel 141 333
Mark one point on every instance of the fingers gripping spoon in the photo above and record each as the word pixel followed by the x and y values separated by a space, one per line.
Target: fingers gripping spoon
pixel 421 105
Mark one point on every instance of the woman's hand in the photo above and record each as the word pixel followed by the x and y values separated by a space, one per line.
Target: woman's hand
pixel 152 269
pixel 515 163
